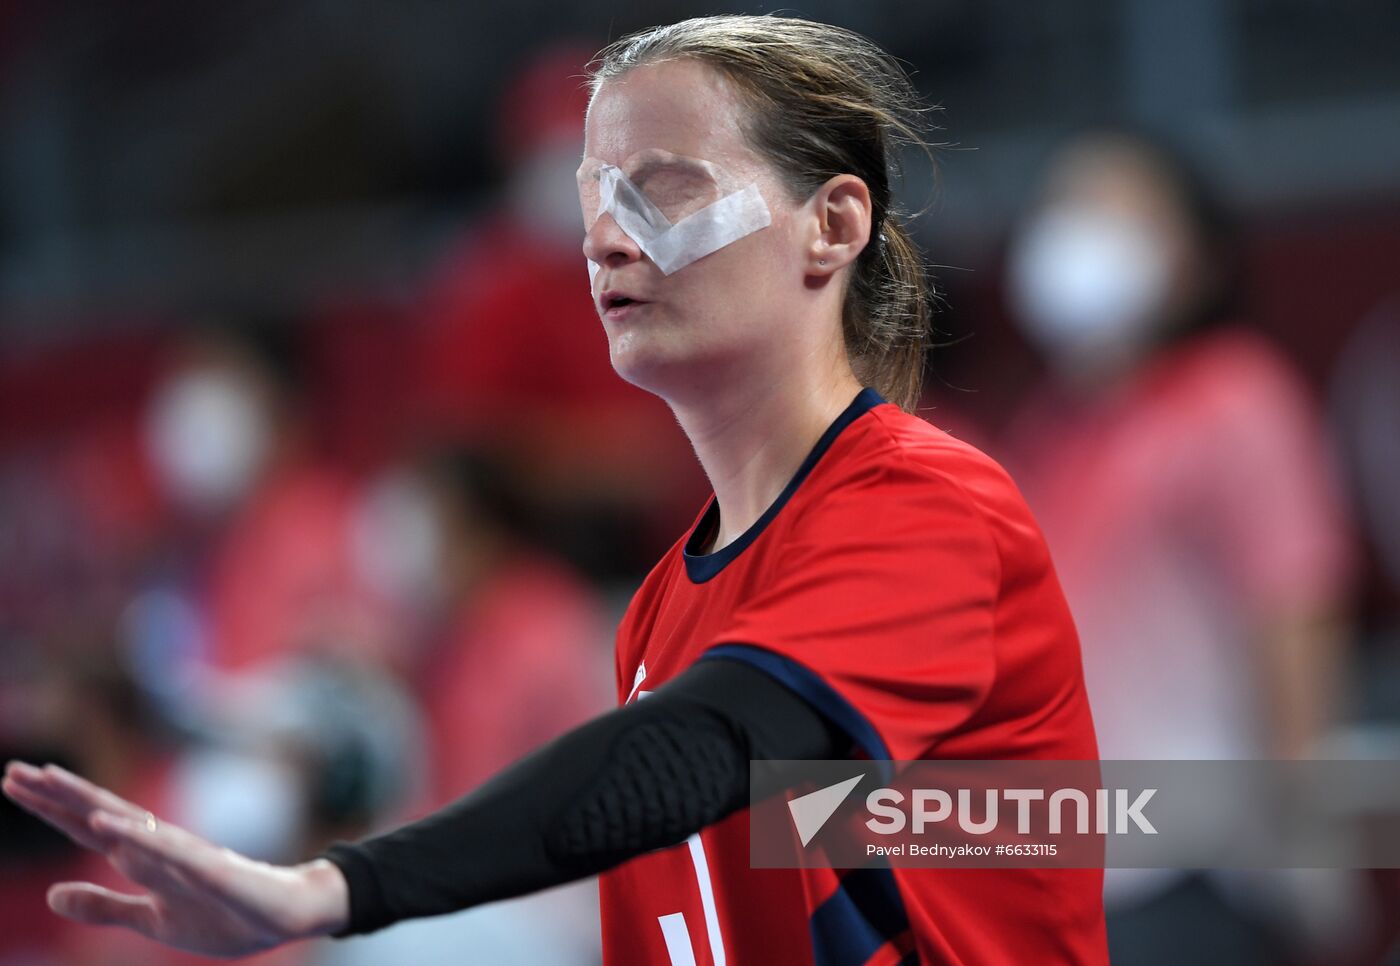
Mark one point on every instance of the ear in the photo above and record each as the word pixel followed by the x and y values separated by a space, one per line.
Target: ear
pixel 841 218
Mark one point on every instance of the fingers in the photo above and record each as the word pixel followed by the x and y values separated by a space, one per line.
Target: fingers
pixel 137 864
pixel 171 861
pixel 161 856
pixel 65 800
pixel 74 793
pixel 20 775
pixel 87 903
pixel 146 868
pixel 70 824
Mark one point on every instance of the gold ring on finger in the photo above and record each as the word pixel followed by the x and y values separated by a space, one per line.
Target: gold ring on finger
pixel 151 823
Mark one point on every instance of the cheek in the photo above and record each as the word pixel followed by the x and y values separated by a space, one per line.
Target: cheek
pixel 589 197
pixel 761 266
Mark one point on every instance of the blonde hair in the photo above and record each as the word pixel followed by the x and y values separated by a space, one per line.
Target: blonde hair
pixel 822 101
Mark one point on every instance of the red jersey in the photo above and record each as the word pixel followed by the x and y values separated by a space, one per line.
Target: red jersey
pixel 900 585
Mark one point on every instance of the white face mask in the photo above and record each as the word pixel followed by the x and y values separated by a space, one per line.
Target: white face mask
pixel 543 194
pixel 1087 282
pixel 396 540
pixel 207 437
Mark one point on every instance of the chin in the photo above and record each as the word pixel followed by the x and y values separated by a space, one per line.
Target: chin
pixel 641 369
pixel 650 364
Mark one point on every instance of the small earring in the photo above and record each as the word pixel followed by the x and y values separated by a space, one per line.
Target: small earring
pixel 821 261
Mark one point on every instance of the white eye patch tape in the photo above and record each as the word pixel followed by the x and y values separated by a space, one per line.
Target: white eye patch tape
pixel 674 246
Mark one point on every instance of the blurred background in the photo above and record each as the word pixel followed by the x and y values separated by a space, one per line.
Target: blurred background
pixel 319 499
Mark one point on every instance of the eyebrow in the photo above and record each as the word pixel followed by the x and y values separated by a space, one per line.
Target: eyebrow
pixel 647 168
pixel 652 165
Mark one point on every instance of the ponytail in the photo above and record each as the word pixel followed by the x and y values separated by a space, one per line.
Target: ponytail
pixel 886 319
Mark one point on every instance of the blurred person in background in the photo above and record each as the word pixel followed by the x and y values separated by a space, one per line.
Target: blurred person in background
pixel 425 571
pixel 505 648
pixel 295 754
pixel 1179 469
pixel 512 644
pixel 283 759
pixel 507 352
pixel 302 751
pixel 1365 405
pixel 257 557
pixel 78 511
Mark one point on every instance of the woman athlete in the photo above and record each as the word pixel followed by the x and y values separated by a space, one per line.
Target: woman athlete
pixel 860 584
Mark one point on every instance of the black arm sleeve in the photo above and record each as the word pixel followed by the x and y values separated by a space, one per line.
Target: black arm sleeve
pixel 635 779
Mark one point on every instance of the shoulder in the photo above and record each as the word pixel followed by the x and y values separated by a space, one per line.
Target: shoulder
pixel 894 457
pixel 1230 394
pixel 1229 370
pixel 899 483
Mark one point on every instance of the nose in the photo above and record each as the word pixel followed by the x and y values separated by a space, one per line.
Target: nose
pixel 607 244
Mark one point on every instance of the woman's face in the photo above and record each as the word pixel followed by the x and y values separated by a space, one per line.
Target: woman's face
pixel 673 129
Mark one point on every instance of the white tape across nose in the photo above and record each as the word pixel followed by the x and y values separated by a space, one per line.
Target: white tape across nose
pixel 674 246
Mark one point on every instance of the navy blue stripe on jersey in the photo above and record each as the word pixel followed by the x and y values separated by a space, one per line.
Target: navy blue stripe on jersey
pixel 701 567
pixel 862 915
pixel 812 687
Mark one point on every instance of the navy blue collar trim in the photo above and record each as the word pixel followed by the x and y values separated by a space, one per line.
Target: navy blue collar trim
pixel 702 567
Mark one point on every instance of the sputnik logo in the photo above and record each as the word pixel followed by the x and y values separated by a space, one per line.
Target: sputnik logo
pixel 811 811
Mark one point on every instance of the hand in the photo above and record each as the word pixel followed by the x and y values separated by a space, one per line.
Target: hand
pixel 199 897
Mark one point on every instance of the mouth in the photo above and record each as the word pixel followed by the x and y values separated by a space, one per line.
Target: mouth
pixel 616 305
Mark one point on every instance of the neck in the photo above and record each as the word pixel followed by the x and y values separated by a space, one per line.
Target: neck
pixel 751 439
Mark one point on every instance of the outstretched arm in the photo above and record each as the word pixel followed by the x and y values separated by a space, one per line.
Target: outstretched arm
pixel 636 779
pixel 632 780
